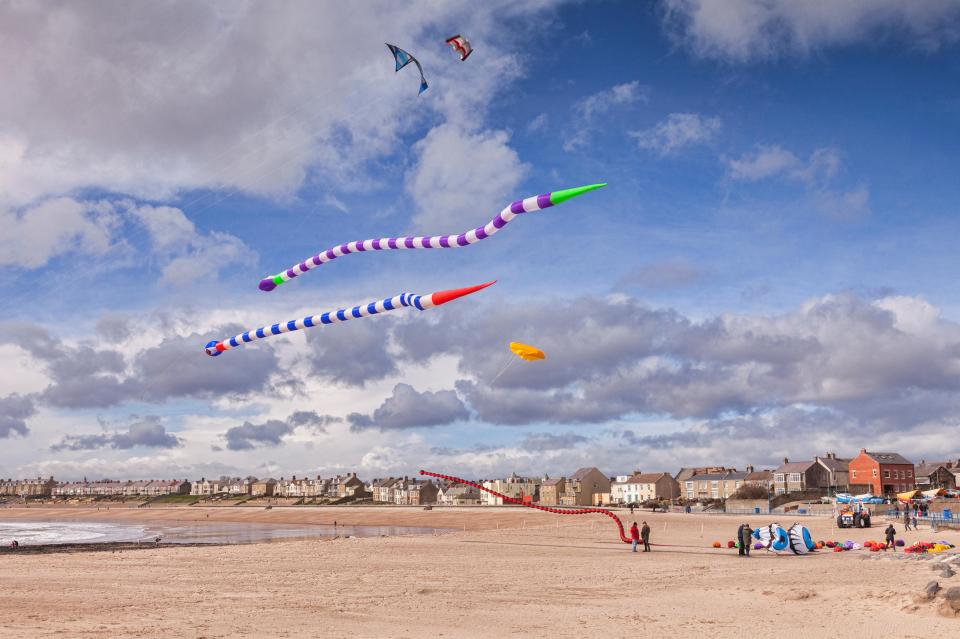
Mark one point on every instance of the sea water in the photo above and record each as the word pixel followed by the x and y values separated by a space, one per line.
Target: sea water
pixel 79 532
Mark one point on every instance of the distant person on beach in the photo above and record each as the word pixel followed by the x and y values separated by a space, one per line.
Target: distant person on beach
pixel 891 534
pixel 906 520
pixel 915 523
pixel 896 511
pixel 645 536
pixel 14 544
pixel 631 509
pixel 634 536
pixel 746 534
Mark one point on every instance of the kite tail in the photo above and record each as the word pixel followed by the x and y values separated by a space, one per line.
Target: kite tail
pixel 528 205
pixel 556 511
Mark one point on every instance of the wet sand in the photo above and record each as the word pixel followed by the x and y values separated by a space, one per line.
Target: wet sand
pixel 529 578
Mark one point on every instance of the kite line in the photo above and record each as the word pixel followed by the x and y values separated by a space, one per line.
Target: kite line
pixel 528 205
pixel 555 511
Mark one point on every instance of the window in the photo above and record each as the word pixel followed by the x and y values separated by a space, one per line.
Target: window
pixel 795 477
pixel 886 474
pixel 853 474
pixel 689 485
pixel 778 478
pixel 715 493
pixel 781 491
pixel 909 474
pixel 875 472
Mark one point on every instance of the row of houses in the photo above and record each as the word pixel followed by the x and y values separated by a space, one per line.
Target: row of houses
pixel 305 487
pixel 881 473
pixel 107 488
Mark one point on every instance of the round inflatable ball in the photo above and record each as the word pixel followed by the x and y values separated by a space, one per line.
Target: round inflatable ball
pixel 716 544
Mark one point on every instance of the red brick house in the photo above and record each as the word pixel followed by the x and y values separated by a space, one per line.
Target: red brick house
pixel 881 473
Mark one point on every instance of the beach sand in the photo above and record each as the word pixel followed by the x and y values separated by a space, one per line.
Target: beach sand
pixel 529 578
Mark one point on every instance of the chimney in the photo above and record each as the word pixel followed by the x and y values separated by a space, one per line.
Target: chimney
pixel 749 468
pixel 863 451
pixel 786 461
pixel 831 455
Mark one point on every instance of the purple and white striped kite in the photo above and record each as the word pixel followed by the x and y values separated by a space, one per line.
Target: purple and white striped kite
pixel 529 205
pixel 420 302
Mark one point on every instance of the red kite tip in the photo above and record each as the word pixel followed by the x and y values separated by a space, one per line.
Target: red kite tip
pixel 442 297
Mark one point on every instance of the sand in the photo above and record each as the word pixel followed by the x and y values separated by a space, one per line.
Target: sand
pixel 527 579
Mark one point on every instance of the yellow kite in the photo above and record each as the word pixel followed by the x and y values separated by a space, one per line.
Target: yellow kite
pixel 526 352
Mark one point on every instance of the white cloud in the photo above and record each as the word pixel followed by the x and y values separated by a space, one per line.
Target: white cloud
pixel 154 100
pixel 749 30
pixel 187 253
pixel 818 174
pixel 33 236
pixel 598 104
pixel 461 175
pixel 677 131
pixel 764 162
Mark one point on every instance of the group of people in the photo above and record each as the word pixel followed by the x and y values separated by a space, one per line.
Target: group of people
pixel 910 514
pixel 744 539
pixel 638 535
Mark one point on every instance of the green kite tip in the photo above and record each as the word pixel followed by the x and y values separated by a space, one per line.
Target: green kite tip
pixel 557 197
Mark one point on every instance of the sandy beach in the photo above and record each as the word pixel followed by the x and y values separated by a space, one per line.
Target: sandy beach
pixel 528 578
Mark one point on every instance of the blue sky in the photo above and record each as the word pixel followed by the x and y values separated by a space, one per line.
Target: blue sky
pixel 774 250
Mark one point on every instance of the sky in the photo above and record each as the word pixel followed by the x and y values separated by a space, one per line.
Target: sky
pixel 770 272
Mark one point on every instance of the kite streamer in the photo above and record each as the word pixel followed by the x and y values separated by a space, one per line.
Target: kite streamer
pixel 420 302
pixel 555 511
pixel 528 205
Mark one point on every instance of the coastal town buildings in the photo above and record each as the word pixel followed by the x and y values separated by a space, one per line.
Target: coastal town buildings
pixel 930 475
pixel 798 476
pixel 550 490
pixel 585 487
pixel 38 487
pixel 641 487
pixel 881 473
pixel 515 486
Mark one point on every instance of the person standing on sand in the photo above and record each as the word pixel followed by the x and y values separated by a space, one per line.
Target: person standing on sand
pixel 634 536
pixel 740 540
pixel 645 536
pixel 891 534
pixel 746 534
pixel 906 520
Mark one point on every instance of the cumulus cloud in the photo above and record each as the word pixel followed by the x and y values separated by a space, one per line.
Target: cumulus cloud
pixel 90 376
pixel 149 432
pixel 187 254
pixel 370 359
pixel 272 432
pixel 459 172
pixel 817 174
pixel 677 131
pixel 756 30
pixel 32 236
pixel 14 412
pixel 598 104
pixel 408 408
pixel 610 359
pixel 162 99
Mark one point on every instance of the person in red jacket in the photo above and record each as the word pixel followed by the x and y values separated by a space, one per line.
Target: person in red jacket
pixel 635 535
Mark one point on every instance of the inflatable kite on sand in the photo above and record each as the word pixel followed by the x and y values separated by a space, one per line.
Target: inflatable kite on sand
pixel 519 502
pixel 529 205
pixel 775 538
pixel 402 58
pixel 420 302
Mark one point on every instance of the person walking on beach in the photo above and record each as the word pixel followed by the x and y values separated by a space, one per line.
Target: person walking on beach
pixel 645 536
pixel 891 534
pixel 746 534
pixel 896 512
pixel 906 520
pixel 634 536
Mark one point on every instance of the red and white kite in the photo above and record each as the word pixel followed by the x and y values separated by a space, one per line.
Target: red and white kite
pixel 461 46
